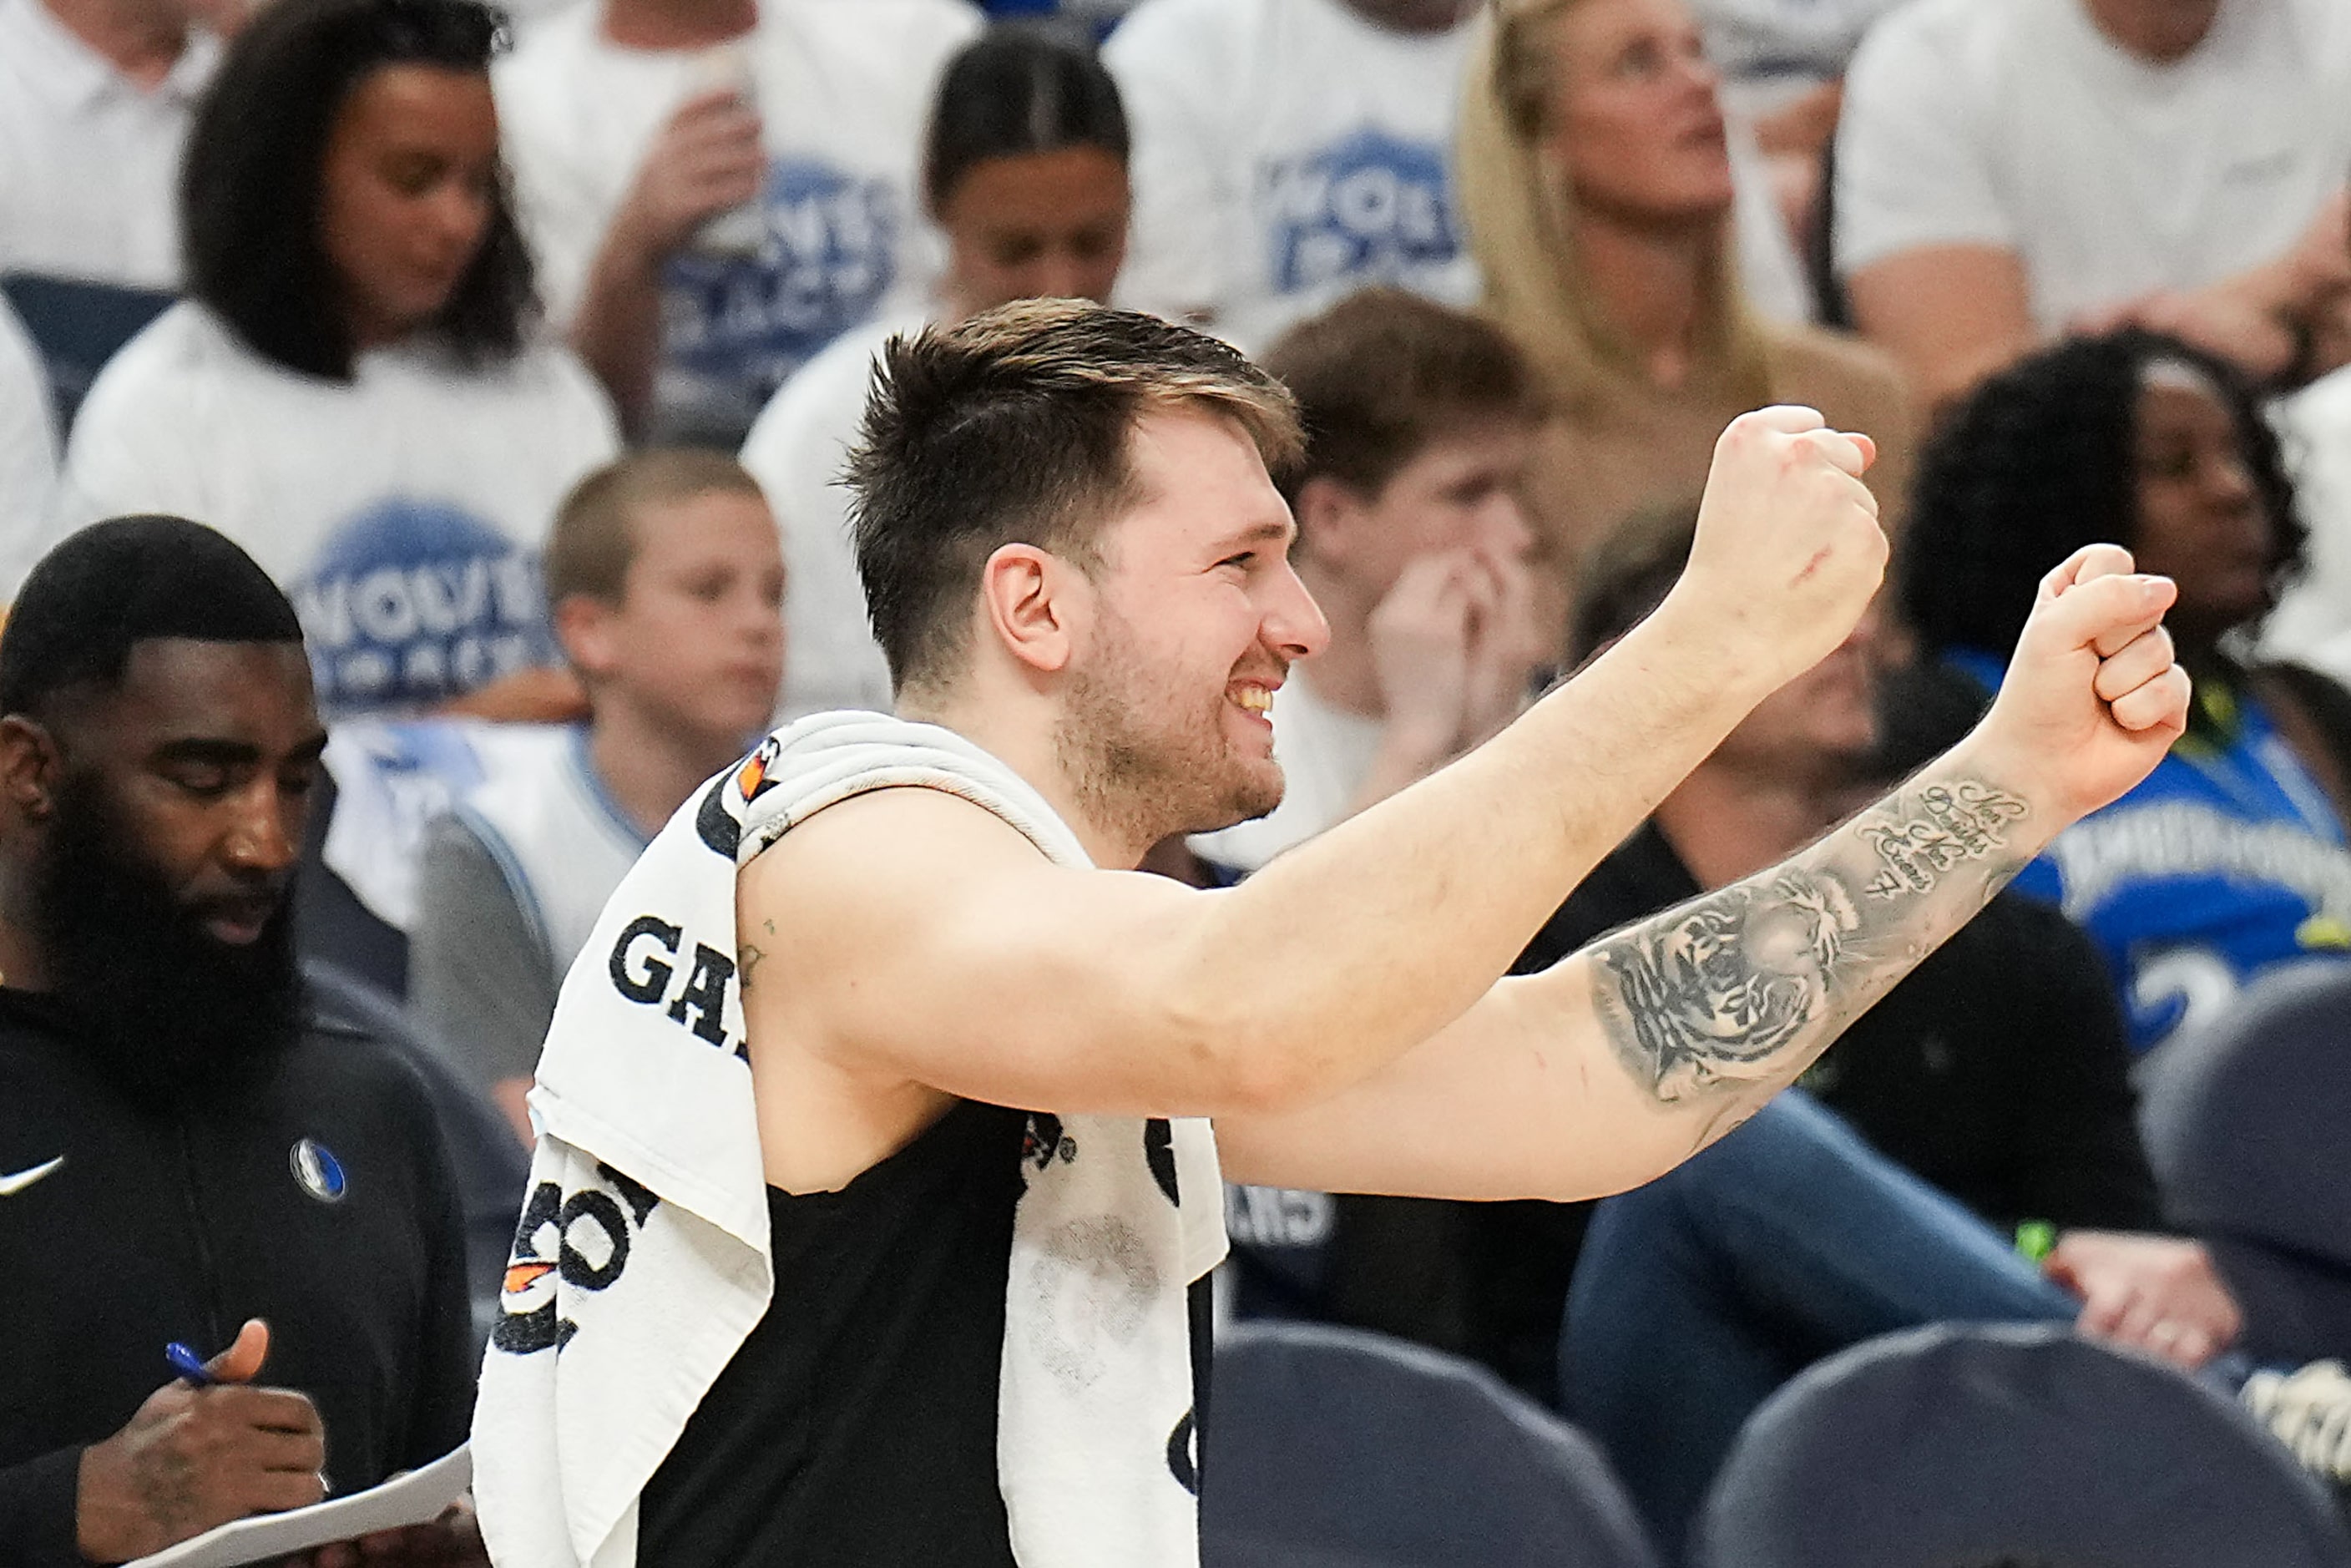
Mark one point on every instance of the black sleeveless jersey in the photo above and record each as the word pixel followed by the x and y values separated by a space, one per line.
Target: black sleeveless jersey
pixel 857 1422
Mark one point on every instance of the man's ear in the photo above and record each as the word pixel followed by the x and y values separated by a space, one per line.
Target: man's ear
pixel 30 766
pixel 1330 519
pixel 583 628
pixel 1033 601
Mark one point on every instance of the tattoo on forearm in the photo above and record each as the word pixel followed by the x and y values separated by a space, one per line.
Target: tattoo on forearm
pixel 1953 823
pixel 1718 994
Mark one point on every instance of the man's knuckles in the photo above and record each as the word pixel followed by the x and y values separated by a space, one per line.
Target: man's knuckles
pixel 2160 706
pixel 2141 660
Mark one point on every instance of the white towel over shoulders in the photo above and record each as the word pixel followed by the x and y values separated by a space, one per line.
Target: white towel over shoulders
pixel 642 1260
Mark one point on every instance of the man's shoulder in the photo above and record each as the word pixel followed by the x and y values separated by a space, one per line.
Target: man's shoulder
pixel 1164 38
pixel 346 1056
pixel 185 348
pixel 893 48
pixel 567 40
pixel 865 838
pixel 1923 30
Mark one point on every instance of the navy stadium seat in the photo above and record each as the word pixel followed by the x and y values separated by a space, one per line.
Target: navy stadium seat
pixel 75 327
pixel 1974 1444
pixel 2247 1120
pixel 1332 1448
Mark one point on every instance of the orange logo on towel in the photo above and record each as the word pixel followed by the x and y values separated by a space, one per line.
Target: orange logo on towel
pixel 752 776
pixel 582 1240
pixel 523 1276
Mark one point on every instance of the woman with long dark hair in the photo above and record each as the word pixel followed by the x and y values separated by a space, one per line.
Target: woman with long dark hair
pixel 1024 170
pixel 356 390
pixel 2231 857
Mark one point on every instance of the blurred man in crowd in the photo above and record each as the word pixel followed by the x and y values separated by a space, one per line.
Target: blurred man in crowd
pixel 1411 539
pixel 186 1158
pixel 715 189
pixel 2008 170
pixel 1288 152
pixel 95 100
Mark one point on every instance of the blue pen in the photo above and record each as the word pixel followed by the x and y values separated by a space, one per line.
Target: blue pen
pixel 188 1364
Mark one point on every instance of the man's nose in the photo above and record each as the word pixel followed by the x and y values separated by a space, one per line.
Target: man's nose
pixel 461 213
pixel 1293 623
pixel 266 836
pixel 1508 534
pixel 1060 273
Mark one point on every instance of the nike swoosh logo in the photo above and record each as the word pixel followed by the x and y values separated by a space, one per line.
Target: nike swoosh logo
pixel 10 1185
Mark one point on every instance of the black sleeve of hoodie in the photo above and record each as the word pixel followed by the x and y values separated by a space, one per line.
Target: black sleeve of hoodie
pixel 37 1503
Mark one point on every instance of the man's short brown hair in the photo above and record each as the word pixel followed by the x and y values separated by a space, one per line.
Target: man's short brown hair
pixel 594 540
pixel 1012 428
pixel 1383 373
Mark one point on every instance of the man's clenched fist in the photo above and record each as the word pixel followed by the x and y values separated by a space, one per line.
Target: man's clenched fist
pixel 1789 550
pixel 2093 698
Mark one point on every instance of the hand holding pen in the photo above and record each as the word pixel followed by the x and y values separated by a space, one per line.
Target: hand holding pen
pixel 208 1446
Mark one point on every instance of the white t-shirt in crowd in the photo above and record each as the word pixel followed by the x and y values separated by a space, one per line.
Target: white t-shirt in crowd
pixel 1288 152
pixel 796 451
pixel 2312 624
pixel 89 161
pixel 1325 753
pixel 402 511
pixel 2017 123
pixel 844 91
pixel 28 453
pixel 1807 38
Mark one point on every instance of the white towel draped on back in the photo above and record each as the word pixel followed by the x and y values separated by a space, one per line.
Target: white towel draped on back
pixel 641 1262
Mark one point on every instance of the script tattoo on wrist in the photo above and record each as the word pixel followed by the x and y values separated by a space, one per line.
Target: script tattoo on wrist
pixel 1717 994
pixel 1952 824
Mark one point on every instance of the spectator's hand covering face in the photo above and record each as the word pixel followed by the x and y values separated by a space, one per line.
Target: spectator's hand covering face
pixel 1443 546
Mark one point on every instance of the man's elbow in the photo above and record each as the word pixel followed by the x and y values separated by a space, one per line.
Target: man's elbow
pixel 1239 1065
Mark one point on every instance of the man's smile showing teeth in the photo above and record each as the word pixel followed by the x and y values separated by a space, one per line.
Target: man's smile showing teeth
pixel 1257 699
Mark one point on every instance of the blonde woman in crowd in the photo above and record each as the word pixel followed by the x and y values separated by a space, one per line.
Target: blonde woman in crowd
pixel 1595 181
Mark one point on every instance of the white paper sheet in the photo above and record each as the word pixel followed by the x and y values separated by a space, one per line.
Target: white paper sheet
pixel 416 1498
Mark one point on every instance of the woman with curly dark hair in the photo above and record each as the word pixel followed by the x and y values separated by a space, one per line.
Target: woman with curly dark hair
pixel 2231 857
pixel 357 390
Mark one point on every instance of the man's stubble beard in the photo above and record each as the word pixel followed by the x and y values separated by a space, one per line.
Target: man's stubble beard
pixel 167 1012
pixel 1148 760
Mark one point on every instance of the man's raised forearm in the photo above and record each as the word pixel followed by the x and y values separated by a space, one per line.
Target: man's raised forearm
pixel 1719 1004
pixel 1364 941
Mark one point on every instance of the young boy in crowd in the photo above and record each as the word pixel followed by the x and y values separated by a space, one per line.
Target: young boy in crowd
pixel 665 580
pixel 1411 537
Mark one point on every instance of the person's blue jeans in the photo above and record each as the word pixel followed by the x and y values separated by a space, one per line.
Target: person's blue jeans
pixel 1697 1295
